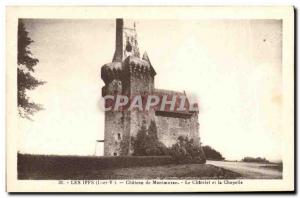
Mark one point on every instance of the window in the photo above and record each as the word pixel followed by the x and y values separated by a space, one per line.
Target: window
pixel 119 136
pixel 128 47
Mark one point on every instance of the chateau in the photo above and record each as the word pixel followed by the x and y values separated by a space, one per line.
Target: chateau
pixel 131 74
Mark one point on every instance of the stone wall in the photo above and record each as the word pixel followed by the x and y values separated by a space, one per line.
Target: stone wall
pixel 170 128
pixel 117 125
pixel 117 133
pixel 140 84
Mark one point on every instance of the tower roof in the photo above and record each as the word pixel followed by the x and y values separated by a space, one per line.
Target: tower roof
pixel 146 57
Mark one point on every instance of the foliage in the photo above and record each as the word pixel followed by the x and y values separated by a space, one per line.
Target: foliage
pixel 26 81
pixel 253 159
pixel 186 151
pixel 146 142
pixel 212 154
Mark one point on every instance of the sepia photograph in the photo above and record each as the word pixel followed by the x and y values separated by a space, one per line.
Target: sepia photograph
pixel 104 101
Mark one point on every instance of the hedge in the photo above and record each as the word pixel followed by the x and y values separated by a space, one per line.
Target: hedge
pixel 50 163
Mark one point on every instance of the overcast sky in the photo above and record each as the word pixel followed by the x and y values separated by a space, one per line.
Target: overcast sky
pixel 232 66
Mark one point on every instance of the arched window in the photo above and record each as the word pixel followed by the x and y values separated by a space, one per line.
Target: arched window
pixel 119 136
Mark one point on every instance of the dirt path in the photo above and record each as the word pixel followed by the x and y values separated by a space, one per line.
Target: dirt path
pixel 249 170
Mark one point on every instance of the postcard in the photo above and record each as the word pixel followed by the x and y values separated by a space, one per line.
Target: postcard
pixel 150 99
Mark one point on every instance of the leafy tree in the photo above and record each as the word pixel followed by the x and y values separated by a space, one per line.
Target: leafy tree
pixel 26 81
pixel 139 141
pixel 146 142
pixel 212 153
pixel 185 151
pixel 153 130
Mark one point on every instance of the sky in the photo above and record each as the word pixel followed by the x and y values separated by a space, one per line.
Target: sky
pixel 232 67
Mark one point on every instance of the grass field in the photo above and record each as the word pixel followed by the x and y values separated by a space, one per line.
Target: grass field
pixel 75 167
pixel 184 171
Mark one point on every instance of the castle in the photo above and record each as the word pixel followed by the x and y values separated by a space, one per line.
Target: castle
pixel 129 74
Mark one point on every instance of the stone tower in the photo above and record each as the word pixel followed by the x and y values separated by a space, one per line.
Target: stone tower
pixel 129 75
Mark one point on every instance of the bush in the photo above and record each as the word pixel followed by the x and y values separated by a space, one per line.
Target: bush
pixel 212 154
pixel 146 142
pixel 185 151
pixel 257 159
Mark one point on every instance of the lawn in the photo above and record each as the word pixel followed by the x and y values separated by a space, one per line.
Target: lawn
pixel 184 171
pixel 46 167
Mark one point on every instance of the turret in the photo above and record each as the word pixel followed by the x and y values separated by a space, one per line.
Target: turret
pixel 126 42
pixel 127 64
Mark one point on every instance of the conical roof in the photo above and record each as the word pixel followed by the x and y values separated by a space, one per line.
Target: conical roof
pixel 146 57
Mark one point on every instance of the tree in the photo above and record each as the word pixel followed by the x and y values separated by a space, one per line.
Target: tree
pixel 139 141
pixel 146 142
pixel 212 154
pixel 26 81
pixel 186 151
pixel 257 159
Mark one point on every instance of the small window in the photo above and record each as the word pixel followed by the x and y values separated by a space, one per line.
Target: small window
pixel 119 136
pixel 128 47
pixel 115 154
